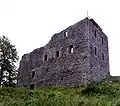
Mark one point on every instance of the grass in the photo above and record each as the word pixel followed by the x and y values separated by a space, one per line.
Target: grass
pixel 101 94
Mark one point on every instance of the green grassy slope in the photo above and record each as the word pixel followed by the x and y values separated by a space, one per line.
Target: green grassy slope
pixel 102 94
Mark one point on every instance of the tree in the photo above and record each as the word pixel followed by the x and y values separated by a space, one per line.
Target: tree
pixel 8 60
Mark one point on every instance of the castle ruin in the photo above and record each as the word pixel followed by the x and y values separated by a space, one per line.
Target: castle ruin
pixel 77 55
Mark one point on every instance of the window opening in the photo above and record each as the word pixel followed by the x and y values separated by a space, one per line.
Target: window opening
pixel 57 54
pixel 102 56
pixel 32 86
pixel 95 51
pixel 95 34
pixel 71 49
pixel 66 34
pixel 102 40
pixel 33 74
pixel 45 58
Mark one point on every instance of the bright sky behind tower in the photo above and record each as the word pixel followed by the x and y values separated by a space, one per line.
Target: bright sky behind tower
pixel 30 24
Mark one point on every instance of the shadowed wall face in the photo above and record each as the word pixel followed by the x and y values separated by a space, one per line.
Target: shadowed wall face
pixel 75 56
pixel 99 56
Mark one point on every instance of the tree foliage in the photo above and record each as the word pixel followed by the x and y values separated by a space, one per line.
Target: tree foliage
pixel 8 59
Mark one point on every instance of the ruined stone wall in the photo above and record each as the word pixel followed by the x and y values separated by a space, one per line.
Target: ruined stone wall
pixel 99 56
pixel 69 59
pixel 69 69
pixel 28 63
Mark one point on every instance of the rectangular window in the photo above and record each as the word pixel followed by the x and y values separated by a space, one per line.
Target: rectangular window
pixel 95 34
pixel 45 58
pixel 32 86
pixel 102 40
pixel 66 34
pixel 71 49
pixel 102 56
pixel 57 54
pixel 33 74
pixel 95 51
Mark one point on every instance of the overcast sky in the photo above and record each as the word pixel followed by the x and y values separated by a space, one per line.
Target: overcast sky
pixel 30 24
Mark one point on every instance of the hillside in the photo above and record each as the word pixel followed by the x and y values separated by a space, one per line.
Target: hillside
pixel 102 94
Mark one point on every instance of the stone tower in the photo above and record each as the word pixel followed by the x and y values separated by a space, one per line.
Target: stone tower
pixel 77 55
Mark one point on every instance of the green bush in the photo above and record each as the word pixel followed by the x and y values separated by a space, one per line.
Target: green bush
pixel 105 88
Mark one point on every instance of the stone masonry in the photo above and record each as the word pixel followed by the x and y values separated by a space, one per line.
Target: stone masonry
pixel 77 55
